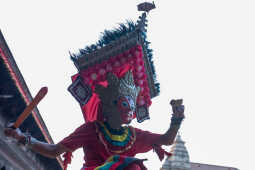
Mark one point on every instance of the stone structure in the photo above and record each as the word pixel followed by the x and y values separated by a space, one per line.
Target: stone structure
pixel 198 166
pixel 14 96
pixel 180 159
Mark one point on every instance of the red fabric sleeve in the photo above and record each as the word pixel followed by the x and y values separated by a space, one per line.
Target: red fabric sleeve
pixel 82 136
pixel 145 141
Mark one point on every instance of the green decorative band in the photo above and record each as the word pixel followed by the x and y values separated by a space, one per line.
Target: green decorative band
pixel 115 140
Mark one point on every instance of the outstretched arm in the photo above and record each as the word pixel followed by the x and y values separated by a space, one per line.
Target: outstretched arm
pixel 46 149
pixel 177 117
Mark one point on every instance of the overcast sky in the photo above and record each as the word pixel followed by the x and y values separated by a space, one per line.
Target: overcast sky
pixel 203 52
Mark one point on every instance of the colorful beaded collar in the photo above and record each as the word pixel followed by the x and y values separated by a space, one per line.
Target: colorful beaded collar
pixel 116 141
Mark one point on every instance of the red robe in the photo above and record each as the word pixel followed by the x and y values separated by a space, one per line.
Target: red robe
pixel 96 154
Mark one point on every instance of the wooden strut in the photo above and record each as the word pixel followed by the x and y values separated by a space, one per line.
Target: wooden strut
pixel 39 96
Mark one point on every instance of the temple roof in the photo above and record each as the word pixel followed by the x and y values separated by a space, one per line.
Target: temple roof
pixel 200 166
pixel 15 96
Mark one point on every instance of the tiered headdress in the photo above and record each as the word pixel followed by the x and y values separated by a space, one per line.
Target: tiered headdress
pixel 120 51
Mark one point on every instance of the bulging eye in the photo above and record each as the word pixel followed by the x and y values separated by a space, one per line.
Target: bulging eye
pixel 124 104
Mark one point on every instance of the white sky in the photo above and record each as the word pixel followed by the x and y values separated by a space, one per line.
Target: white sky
pixel 203 53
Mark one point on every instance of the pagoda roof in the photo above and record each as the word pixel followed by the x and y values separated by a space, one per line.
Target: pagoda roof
pixel 16 96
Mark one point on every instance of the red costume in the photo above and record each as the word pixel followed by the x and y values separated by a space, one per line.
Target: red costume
pixel 87 136
pixel 124 53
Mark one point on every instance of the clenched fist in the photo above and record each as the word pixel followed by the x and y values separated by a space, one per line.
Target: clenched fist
pixel 178 112
pixel 13 133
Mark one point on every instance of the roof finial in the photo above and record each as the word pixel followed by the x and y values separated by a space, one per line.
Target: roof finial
pixel 146 6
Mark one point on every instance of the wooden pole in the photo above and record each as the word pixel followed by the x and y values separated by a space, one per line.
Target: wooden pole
pixel 39 96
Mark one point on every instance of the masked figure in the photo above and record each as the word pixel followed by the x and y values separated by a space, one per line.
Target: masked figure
pixel 110 144
pixel 112 91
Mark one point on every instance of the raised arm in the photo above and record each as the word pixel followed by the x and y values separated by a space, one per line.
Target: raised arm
pixel 176 120
pixel 46 149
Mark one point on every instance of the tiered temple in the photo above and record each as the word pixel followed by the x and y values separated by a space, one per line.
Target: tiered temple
pixel 180 159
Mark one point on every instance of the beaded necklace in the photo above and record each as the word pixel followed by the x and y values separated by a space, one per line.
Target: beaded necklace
pixel 116 141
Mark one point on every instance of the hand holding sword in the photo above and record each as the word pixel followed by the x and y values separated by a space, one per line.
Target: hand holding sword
pixel 12 129
pixel 13 132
